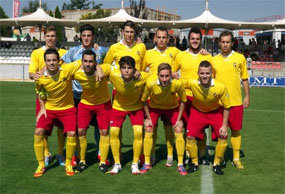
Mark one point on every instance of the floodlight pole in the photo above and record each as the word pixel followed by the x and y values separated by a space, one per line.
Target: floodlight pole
pixel 122 4
pixel 40 3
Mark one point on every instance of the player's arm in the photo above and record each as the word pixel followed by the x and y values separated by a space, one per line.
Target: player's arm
pixel 175 68
pixel 99 73
pixel 203 52
pixel 223 130
pixel 41 95
pixel 147 122
pixel 182 95
pixel 246 100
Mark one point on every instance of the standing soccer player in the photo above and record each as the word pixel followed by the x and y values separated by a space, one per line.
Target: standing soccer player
pixel 127 101
pixel 95 101
pixel 230 68
pixel 36 64
pixel 153 58
pixel 188 62
pixel 163 93
pixel 75 53
pixel 59 105
pixel 209 96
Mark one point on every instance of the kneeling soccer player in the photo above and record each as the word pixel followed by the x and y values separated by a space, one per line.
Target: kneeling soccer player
pixel 95 101
pixel 127 101
pixel 208 97
pixel 164 101
pixel 56 81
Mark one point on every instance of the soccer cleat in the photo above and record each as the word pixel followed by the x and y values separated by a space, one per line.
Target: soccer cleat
pixel 145 168
pixel 169 162
pixel 181 170
pixel 152 160
pixel 60 160
pixel 135 168
pixel 48 159
pixel 223 163
pixel 116 169
pixel 74 161
pixel 103 168
pixel 218 170
pixel 238 164
pixel 204 161
pixel 80 167
pixel 193 168
pixel 69 170
pixel 40 171
pixel 141 159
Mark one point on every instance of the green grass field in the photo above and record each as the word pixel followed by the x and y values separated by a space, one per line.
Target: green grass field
pixel 262 146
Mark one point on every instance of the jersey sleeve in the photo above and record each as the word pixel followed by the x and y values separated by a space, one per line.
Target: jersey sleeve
pixel 145 62
pixel 67 57
pixel 181 91
pixel 106 68
pixel 73 68
pixel 34 62
pixel 146 92
pixel 225 98
pixel 109 58
pixel 176 63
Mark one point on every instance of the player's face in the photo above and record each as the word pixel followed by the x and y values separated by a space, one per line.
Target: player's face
pixel 89 64
pixel 226 44
pixel 164 77
pixel 205 76
pixel 161 40
pixel 129 35
pixel 194 41
pixel 127 72
pixel 50 39
pixel 86 38
pixel 52 63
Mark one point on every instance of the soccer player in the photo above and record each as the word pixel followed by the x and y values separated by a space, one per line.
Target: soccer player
pixel 188 62
pixel 56 81
pixel 230 68
pixel 163 93
pixel 127 101
pixel 95 100
pixel 209 96
pixel 153 57
pixel 75 53
pixel 36 64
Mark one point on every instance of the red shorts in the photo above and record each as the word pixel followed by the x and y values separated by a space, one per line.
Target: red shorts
pixel 86 112
pixel 169 114
pixel 235 118
pixel 186 112
pixel 118 117
pixel 66 117
pixel 199 120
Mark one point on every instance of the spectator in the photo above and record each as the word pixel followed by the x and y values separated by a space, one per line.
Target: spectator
pixel 177 42
pixel 184 43
pixel 28 38
pixel 18 38
pixel 75 38
pixel 36 43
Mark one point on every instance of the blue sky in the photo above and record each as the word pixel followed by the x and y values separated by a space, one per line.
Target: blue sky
pixel 241 10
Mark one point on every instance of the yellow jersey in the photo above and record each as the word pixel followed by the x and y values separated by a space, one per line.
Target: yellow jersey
pixel 59 87
pixel 230 70
pixel 128 94
pixel 154 57
pixel 188 64
pixel 208 99
pixel 118 50
pixel 37 59
pixel 164 97
pixel 94 92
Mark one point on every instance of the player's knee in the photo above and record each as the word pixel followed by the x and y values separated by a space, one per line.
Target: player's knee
pixel 178 130
pixel 149 129
pixel 104 132
pixel 70 134
pixel 190 138
pixel 81 132
pixel 39 131
pixel 235 133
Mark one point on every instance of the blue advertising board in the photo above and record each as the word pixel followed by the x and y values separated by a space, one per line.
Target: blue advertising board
pixel 267 81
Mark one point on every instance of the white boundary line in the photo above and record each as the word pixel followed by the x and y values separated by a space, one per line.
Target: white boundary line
pixel 206 184
pixel 255 110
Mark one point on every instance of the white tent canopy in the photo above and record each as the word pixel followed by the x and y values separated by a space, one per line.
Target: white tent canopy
pixel 40 17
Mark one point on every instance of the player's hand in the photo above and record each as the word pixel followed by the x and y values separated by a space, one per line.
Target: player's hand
pixel 99 73
pixel 139 40
pixel 148 123
pixel 204 52
pixel 223 131
pixel 37 75
pixel 246 102
pixel 175 75
pixel 96 46
pixel 137 75
pixel 41 113
pixel 178 124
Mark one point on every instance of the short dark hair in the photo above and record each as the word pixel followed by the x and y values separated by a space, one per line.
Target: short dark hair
pixel 163 66
pixel 89 52
pixel 205 64
pixel 162 29
pixel 86 27
pixel 127 60
pixel 196 31
pixel 131 24
pixel 49 29
pixel 226 33
pixel 51 51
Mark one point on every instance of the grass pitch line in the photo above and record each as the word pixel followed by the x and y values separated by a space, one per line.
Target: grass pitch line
pixel 271 111
pixel 207 186
pixel 17 108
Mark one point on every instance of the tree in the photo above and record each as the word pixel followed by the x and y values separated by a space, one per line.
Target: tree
pixel 4 30
pixel 138 10
pixel 96 6
pixel 59 29
pixel 33 6
pixel 50 13
pixel 76 4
